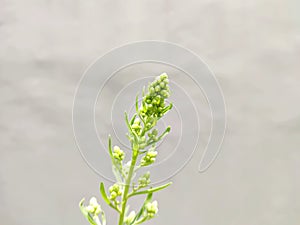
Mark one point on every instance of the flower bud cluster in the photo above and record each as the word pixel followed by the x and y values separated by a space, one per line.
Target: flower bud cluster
pixel 93 208
pixel 143 138
pixel 149 157
pixel 144 180
pixel 115 191
pixel 136 126
pixel 118 154
pixel 153 135
pixel 153 104
pixel 151 209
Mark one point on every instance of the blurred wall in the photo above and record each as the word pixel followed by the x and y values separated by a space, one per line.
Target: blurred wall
pixel 252 46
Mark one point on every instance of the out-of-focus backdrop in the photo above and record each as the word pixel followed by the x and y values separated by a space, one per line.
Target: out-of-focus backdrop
pixel 252 46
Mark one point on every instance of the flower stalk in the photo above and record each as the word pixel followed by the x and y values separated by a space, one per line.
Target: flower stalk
pixel 143 138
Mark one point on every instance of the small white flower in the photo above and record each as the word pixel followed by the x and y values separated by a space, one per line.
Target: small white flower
pixel 90 209
pixel 152 209
pixel 93 202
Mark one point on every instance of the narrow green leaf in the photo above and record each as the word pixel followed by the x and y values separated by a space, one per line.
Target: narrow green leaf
pixel 127 122
pixel 168 129
pixel 103 217
pixel 110 146
pixel 133 118
pixel 151 190
pixel 130 129
pixel 167 108
pixel 149 198
pixel 143 104
pixel 91 220
pixel 115 167
pixel 140 213
pixel 137 103
pixel 143 92
pixel 82 208
pixel 103 193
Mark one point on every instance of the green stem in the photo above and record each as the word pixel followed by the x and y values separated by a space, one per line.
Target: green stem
pixel 127 186
pixel 141 221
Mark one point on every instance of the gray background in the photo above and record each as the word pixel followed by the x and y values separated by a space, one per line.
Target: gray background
pixel 252 46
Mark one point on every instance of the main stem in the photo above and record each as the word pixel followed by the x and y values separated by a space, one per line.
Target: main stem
pixel 127 185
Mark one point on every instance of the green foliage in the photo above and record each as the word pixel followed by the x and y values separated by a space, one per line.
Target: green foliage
pixel 143 138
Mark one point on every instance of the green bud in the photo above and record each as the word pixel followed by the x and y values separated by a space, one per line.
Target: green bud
pixel 158 99
pixel 118 154
pixel 149 158
pixel 164 76
pixel 151 90
pixel 157 88
pixel 97 211
pixel 137 121
pixel 135 126
pixel 115 191
pixel 165 93
pixel 144 180
pixel 113 195
pixel 154 132
pixel 142 139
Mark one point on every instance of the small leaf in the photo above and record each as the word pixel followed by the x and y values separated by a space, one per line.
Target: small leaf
pixel 103 193
pixel 130 129
pixel 167 108
pixel 127 122
pixel 140 213
pixel 168 129
pixel 151 190
pixel 82 208
pixel 133 118
pixel 148 198
pixel 110 146
pixel 137 103
pixel 91 220
pixel 143 93
pixel 115 167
